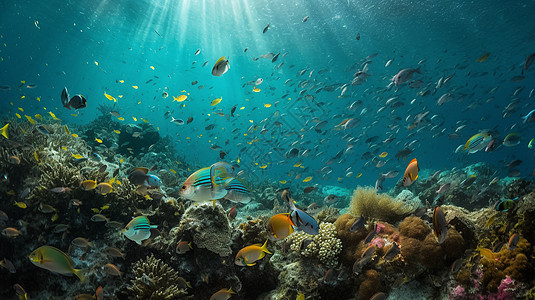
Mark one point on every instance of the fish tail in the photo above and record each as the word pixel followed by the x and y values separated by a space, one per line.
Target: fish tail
pixel 80 273
pixel 264 248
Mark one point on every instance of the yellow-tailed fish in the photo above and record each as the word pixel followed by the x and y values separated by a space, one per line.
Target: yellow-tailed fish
pixel 307 179
pixel 250 254
pixel 54 260
pixel 256 90
pixel 411 173
pixel 135 87
pixel 53 115
pixel 110 97
pixel 20 204
pixel 98 140
pixel 4 131
pixel 35 156
pixel 180 98
pixel 39 117
pixel 30 119
pixel 77 156
pixel 18 116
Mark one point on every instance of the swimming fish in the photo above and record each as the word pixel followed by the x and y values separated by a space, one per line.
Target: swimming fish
pixel 4 132
pixel 250 254
pixel 411 173
pixel 358 224
pixel 76 102
pixel 221 66
pixel 265 28
pixel 280 225
pixel 512 139
pixel 88 185
pixel 513 241
pixel 483 57
pixel 140 176
pixel 530 117
pixel 440 228
pixel 54 260
pixel 138 229
pixel 216 101
pixel 104 188
pixel 505 204
pixel 222 294
pixel 477 142
pixel 183 247
pixel 208 183
pixel 301 219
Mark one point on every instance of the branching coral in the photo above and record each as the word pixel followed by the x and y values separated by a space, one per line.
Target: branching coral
pixel 156 280
pixel 325 246
pixel 366 202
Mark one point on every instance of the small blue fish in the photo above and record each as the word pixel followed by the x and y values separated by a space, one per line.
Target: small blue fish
pixel 529 117
pixel 138 229
pixel 97 156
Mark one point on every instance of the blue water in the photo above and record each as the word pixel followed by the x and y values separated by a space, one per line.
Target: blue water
pixel 56 43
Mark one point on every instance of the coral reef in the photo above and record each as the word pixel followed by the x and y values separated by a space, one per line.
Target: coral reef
pixel 155 280
pixel 207 226
pixel 324 246
pixel 366 202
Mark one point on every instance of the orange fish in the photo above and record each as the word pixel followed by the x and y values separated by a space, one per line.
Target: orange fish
pixel 250 254
pixel 411 173
pixel 280 226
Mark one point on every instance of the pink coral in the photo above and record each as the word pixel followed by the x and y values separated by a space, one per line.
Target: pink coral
pixel 458 293
pixel 506 291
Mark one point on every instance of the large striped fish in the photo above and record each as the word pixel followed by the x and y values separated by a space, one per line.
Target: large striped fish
pixel 477 142
pixel 138 229
pixel 208 183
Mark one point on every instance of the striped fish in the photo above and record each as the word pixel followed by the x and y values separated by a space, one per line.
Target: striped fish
pixel 138 229
pixel 208 183
pixel 237 191
pixel 477 142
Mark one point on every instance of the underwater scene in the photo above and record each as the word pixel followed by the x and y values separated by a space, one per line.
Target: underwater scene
pixel 271 150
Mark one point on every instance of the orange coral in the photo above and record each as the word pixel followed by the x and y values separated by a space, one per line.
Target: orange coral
pixel 370 285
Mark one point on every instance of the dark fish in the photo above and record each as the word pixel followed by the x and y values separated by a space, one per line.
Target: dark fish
pixel 138 176
pixel 292 153
pixel 368 252
pixel 209 127
pixel 370 236
pixel 157 33
pixel 358 36
pixel 440 228
pixel 274 59
pixel 305 243
pixel 403 153
pixel 77 102
pixel 265 29
pixel 222 154
pixel 232 110
pixel 190 119
pixel 115 172
pixel 528 62
pixel 358 224
pixel 5 88
pixel 456 266
pixel 513 241
pixel 392 252
pixel 233 213
pixel 102 168
pixel 245 50
pixel 309 189
pixel 42 129
pixel 498 247
pixel 305 19
pixel 197 52
pixel 514 163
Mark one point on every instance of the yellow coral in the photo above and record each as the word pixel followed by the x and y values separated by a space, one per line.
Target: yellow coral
pixel 366 202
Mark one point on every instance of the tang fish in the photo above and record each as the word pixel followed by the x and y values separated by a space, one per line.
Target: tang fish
pixel 140 176
pixel 411 173
pixel 208 183
pixel 221 67
pixel 280 225
pixel 138 229
pixel 250 254
pixel 76 102
pixel 301 219
pixel 54 260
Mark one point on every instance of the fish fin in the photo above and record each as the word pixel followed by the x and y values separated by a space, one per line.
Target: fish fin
pixel 189 245
pixel 188 284
pixel 250 264
pixel 264 248
pixel 138 242
pixel 80 274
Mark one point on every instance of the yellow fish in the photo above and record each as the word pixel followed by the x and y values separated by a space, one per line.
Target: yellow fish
pixel 173 171
pixel 55 217
pixel 39 117
pixel 307 179
pixel 66 129
pixel 120 119
pixel 216 101
pixel 117 131
pixel 282 181
pixel 96 63
pixel 297 164
pixel 4 131
pixel 483 57
pixel 250 254
pixel 263 166
pixel 74 135
pixel 105 207
pixel 135 87
pixel 121 81
pixel 20 204
pixel 180 98
pixel 88 185
pixel 35 156
pixel 152 67
pixel 30 119
pixel 53 115
pixel 98 140
pixel 135 119
pixel 77 156
pixel 267 105
pixel 18 116
pixel 64 148
pixel 384 154
pixel 358 175
pixel 256 90
pixel 20 108
pixel 110 97
pixel 300 296
pixel 54 260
